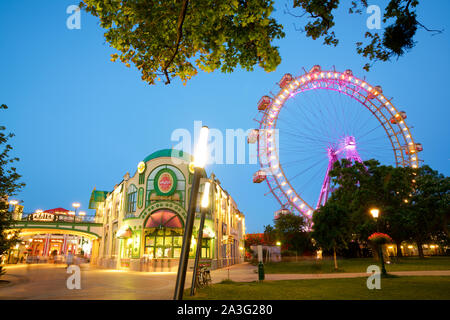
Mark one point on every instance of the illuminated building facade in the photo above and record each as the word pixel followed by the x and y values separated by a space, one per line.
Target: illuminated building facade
pixel 143 218
pixel 43 237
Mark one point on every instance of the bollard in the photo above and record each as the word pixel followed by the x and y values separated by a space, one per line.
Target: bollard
pixel 260 271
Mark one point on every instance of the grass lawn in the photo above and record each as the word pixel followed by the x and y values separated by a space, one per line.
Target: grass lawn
pixel 358 265
pixel 411 288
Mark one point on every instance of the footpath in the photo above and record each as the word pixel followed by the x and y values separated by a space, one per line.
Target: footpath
pixel 246 272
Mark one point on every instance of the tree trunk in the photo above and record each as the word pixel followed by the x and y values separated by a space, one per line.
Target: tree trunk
pixel 335 260
pixel 420 249
pixel 399 249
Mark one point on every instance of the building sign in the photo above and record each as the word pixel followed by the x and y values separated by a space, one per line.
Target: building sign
pixel 141 167
pixel 42 216
pixel 165 182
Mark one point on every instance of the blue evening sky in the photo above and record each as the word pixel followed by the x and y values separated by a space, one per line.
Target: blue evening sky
pixel 82 121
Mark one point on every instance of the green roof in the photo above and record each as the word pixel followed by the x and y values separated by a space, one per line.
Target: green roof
pixel 169 153
pixel 97 196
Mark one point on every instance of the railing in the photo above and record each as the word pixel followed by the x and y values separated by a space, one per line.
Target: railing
pixel 61 218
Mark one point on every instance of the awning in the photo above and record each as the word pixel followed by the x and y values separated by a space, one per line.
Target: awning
pixel 124 232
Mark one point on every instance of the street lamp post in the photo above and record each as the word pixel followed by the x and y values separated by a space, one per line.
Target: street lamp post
pixel 200 157
pixel 13 203
pixel 76 205
pixel 203 207
pixel 375 212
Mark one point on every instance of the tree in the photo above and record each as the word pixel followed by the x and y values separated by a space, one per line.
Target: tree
pixel 9 185
pixel 270 234
pixel 290 230
pixel 173 38
pixel 429 208
pixel 396 39
pixel 332 228
pixel 413 203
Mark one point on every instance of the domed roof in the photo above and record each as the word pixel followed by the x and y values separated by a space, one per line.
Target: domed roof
pixel 169 153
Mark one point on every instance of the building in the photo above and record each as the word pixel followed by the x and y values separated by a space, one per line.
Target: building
pixel 143 218
pixel 51 235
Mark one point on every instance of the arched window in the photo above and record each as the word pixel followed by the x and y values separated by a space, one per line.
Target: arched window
pixel 178 194
pixel 131 198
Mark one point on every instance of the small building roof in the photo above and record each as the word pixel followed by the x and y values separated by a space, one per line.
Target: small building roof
pixel 170 153
pixel 57 210
pixel 97 196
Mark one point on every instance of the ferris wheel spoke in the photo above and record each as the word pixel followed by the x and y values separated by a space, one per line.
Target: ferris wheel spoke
pixel 291 135
pixel 370 139
pixel 308 125
pixel 307 169
pixel 313 177
pixel 310 138
pixel 287 164
pixel 298 122
pixel 318 121
pixel 370 131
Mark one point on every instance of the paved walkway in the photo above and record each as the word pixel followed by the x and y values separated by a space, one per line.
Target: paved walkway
pixel 247 273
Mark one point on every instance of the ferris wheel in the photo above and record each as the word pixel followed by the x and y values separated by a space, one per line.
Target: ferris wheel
pixel 319 118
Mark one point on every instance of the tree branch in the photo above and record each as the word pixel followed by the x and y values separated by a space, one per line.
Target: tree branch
pixel 430 30
pixel 181 17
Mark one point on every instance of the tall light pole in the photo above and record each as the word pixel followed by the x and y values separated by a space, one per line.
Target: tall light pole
pixel 13 203
pixel 203 208
pixel 200 158
pixel 76 205
pixel 375 213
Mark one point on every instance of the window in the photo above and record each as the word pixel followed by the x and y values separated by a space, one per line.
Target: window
pixel 180 190
pixel 128 249
pixel 131 198
pixel 163 243
pixel 114 244
pixel 105 245
pixel 116 209
pixel 206 248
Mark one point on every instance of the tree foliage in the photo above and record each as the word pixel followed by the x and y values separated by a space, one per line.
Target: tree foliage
pixel 9 185
pixel 428 211
pixel 290 230
pixel 413 204
pixel 176 38
pixel 382 45
pixel 332 226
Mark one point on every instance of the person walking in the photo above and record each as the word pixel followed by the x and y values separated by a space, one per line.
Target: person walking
pixel 69 259
pixel 54 254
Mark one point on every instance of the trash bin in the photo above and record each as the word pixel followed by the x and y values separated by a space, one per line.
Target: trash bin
pixel 260 271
